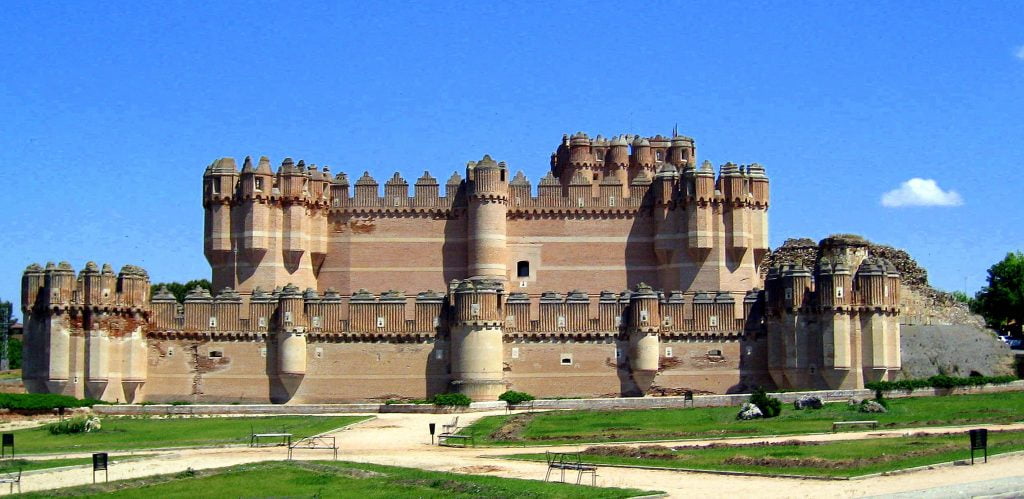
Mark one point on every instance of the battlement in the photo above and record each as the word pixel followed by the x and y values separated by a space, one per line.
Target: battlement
pixel 430 312
pixel 56 287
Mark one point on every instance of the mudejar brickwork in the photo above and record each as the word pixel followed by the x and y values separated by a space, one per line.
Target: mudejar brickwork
pixel 633 270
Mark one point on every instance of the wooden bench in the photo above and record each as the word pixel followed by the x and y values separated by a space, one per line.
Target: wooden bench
pixel 838 424
pixel 450 427
pixel 571 461
pixel 445 439
pixel 254 439
pixel 12 478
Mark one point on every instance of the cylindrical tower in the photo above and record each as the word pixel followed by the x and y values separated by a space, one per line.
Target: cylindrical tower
pixel 476 335
pixel 643 328
pixel 218 190
pixel 488 207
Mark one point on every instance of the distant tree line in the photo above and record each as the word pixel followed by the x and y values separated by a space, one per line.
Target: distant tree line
pixel 1001 301
pixel 179 290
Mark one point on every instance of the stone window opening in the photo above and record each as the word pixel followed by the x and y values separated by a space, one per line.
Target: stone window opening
pixel 658 156
pixel 713 321
pixel 259 184
pixel 216 186
pixel 668 352
pixel 565 359
pixel 305 186
pixel 216 354
pixel 600 157
pixel 523 268
pixel 715 353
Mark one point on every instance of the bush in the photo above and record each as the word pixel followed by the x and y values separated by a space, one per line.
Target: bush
pixel 513 397
pixel 938 381
pixel 79 424
pixel 42 401
pixel 770 406
pixel 450 399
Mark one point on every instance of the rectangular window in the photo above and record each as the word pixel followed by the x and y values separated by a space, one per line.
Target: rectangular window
pixel 668 351
pixel 262 322
pixel 336 202
pixel 170 351
pixel 515 352
pixel 611 200
pixel 618 320
pixel 213 322
pixel 839 292
pixel 380 322
pixel 713 321
pixel 658 156
pixel 789 293
pixel 287 317
pixel 523 268
pixel 263 351
pixel 600 155
pixel 565 359
pixel 215 183
pixel 216 354
pixel 397 202
pixel 561 321
pixel 580 202
pixel 643 317
pixel 259 185
pixel 474 309
pixel 666 321
pixel 316 321
pixel 437 321
pixel 885 291
pixel 318 352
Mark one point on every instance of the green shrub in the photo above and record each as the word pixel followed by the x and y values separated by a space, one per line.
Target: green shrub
pixel 80 424
pixel 938 381
pixel 770 406
pixel 513 397
pixel 456 399
pixel 42 401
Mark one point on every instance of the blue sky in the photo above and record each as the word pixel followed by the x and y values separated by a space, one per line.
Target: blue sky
pixel 112 110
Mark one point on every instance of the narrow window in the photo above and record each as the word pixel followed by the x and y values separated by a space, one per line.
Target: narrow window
pixel 397 202
pixel 259 184
pixel 216 354
pixel 668 351
pixel 287 317
pixel 474 309
pixel 216 185
pixel 643 317
pixel 515 352
pixel 713 321
pixel 600 157
pixel 611 200
pixel 305 186
pixel 262 321
pixel 318 353
pixel 523 269
pixel 263 351
pixel 658 156
pixel 580 202
pixel 789 293
pixel 316 321
pixel 839 292
pixel 565 359
pixel 561 321
pixel 213 322
pixel 666 321
pixel 380 322
pixel 715 353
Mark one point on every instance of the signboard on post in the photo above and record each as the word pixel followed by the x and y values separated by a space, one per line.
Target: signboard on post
pixel 433 427
pixel 979 441
pixel 99 463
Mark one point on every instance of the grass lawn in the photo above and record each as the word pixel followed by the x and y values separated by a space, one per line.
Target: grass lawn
pixel 123 433
pixel 332 479
pixel 833 459
pixel 557 427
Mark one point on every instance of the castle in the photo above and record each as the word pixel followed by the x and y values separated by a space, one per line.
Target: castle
pixel 632 271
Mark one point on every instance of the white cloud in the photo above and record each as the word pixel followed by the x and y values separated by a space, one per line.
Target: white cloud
pixel 1020 52
pixel 921 192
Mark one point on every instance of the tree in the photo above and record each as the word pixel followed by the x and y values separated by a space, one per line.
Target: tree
pixel 1001 302
pixel 179 290
pixel 6 319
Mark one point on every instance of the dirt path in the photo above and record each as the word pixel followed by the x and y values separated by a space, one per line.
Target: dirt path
pixel 404 440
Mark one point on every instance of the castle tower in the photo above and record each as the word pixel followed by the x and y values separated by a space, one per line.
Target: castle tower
pixel 488 207
pixel 643 332
pixel 219 181
pixel 618 162
pixel 476 336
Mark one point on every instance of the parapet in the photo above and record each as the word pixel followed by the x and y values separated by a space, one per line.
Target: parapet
pixel 55 287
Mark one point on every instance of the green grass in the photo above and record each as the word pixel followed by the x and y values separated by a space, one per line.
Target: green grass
pixel 123 433
pixel 332 479
pixel 561 427
pixel 835 459
pixel 12 465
